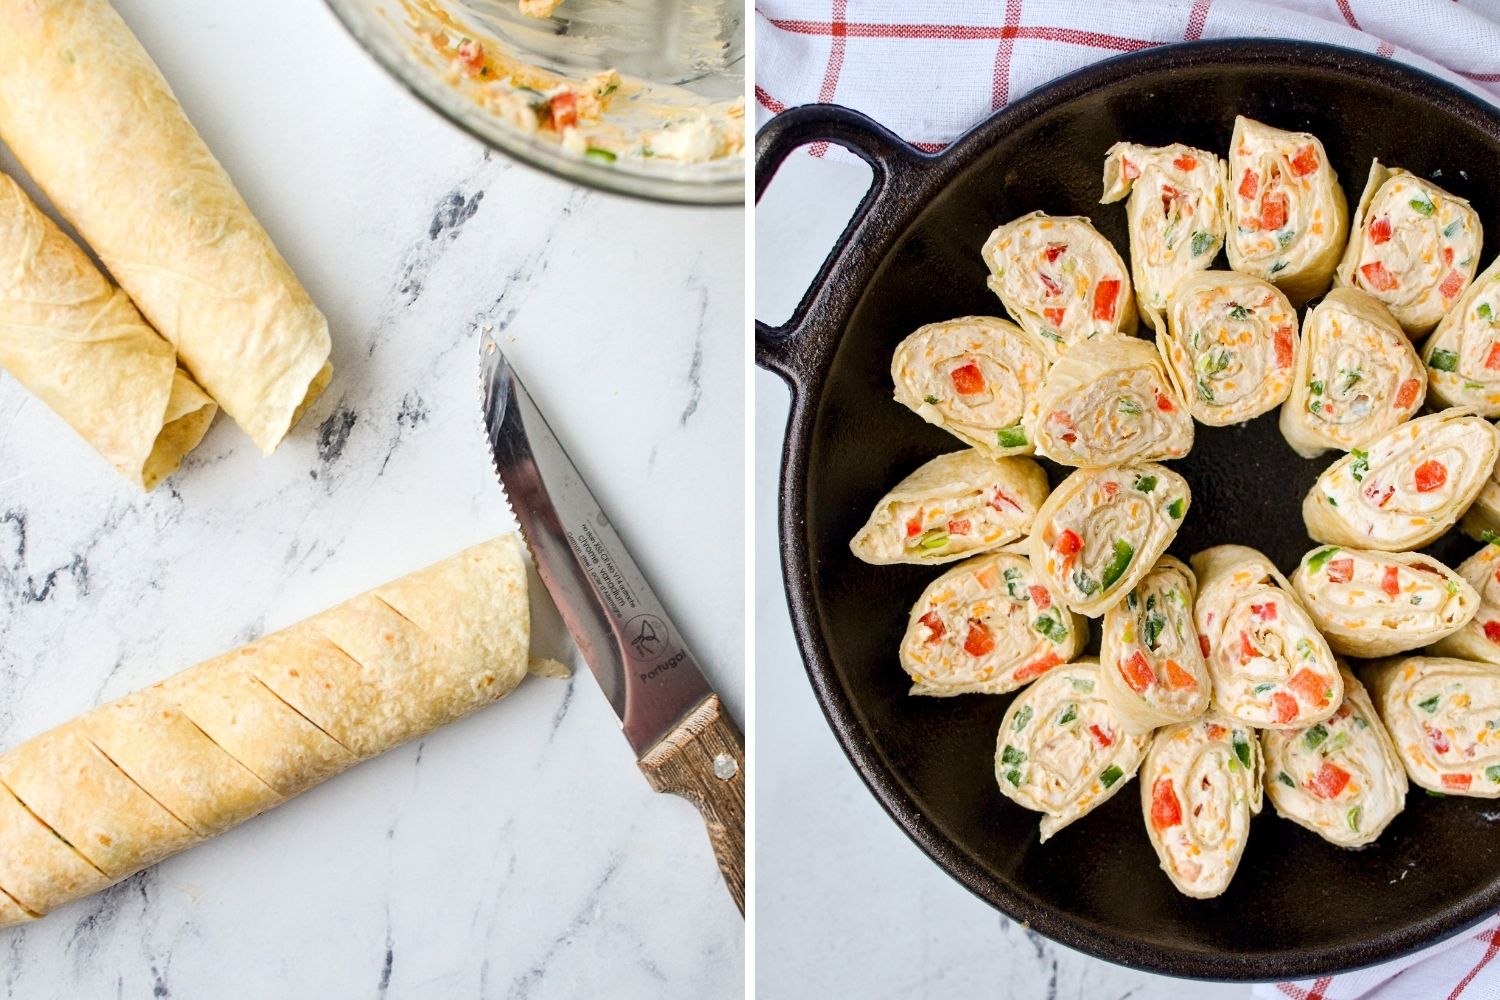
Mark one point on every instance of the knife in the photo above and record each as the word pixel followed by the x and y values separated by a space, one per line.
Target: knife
pixel 684 741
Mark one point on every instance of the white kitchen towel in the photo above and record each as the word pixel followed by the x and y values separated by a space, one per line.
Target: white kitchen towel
pixel 930 71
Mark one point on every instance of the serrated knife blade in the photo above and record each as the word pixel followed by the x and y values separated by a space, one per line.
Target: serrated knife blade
pixel 683 740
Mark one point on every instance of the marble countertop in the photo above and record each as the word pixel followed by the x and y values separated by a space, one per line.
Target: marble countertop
pixel 859 910
pixel 519 852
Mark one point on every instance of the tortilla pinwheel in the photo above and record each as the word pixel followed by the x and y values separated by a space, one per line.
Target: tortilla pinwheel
pixel 1101 530
pixel 1441 715
pixel 1061 280
pixel 1175 214
pixel 974 377
pixel 1230 346
pixel 1479 639
pixel 1463 354
pixel 1372 603
pixel 1153 670
pixel 1288 218
pixel 987 626
pixel 1357 376
pixel 1062 751
pixel 1109 402
pixel 1414 246
pixel 1406 487
pixel 1340 778
pixel 1200 784
pixel 957 505
pixel 1271 667
pixel 1482 521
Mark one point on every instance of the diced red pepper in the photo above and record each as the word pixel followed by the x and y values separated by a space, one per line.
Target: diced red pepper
pixel 1248 651
pixel 1000 499
pixel 1407 394
pixel 1284 705
pixel 1054 251
pixel 471 55
pixel 1390 581
pixel 1447 255
pixel 980 641
pixel 1249 185
pixel 1452 285
pixel 960 526
pixel 1264 612
pixel 1377 277
pixel 1341 571
pixel 1053 288
pixel 1137 672
pixel 1380 499
pixel 1179 679
pixel 1166 811
pixel 1492 359
pixel 1380 230
pixel 1305 162
pixel 914 526
pixel 1040 596
pixel 1103 738
pixel 1203 644
pixel 1492 631
pixel 1431 475
pixel 1169 194
pixel 1311 687
pixel 967 379
pixel 1055 316
pixel 1216 731
pixel 1037 667
pixel 1105 294
pixel 1329 781
pixel 1439 741
pixel 1459 782
pixel 1273 210
pixel 934 626
pixel 1111 490
pixel 1129 170
pixel 1185 163
pixel 564 109
pixel 1068 543
pixel 1284 347
pixel 1163 401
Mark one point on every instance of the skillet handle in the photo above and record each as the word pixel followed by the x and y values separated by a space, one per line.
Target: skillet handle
pixel 784 349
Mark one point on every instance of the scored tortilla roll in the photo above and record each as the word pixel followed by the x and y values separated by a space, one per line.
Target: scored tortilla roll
pixel 1062 751
pixel 1463 354
pixel 1340 778
pixel 79 345
pixel 1481 521
pixel 1271 667
pixel 959 504
pixel 1440 714
pixel 1230 344
pixel 1061 280
pixel 136 780
pixel 1176 215
pixel 1406 487
pixel 987 626
pixel 1414 246
pixel 1102 530
pixel 1200 784
pixel 1357 376
pixel 1479 638
pixel 974 377
pixel 1109 402
pixel 1371 603
pixel 138 183
pixel 1153 671
pixel 1288 218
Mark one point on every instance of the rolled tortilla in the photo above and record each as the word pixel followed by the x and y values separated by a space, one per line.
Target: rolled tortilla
pixel 136 180
pixel 1440 713
pixel 1406 487
pixel 1482 520
pixel 1371 603
pixel 1414 246
pixel 1479 638
pixel 1357 376
pixel 77 343
pixel 974 377
pixel 1463 354
pixel 1271 667
pixel 1200 784
pixel 1062 751
pixel 957 505
pixel 1109 402
pixel 987 626
pixel 1176 215
pixel 1288 218
pixel 1340 778
pixel 1061 280
pixel 1102 530
pixel 121 787
pixel 1153 671
pixel 1230 346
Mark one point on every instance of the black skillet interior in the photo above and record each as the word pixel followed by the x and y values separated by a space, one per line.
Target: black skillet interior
pixel 1298 905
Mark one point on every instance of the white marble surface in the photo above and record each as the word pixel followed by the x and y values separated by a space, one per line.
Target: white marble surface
pixel 518 853
pixel 847 905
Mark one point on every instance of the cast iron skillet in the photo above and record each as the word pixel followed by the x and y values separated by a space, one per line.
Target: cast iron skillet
pixel 1298 906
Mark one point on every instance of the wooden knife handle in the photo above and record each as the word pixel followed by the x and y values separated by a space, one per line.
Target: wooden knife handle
pixel 703 760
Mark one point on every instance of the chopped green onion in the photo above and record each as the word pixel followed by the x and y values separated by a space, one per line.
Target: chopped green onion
pixel 1429 705
pixel 1320 557
pixel 930 400
pixel 1435 795
pixel 1360 466
pixel 1492 772
pixel 1052 628
pixel 1489 537
pixel 1010 755
pixel 1444 361
pixel 1130 406
pixel 1331 501
pixel 1241 748
pixel 1305 648
pixel 1145 484
pixel 1201 242
pixel 1484 311
pixel 1013 585
pixel 599 155
pixel 1262 688
pixel 1111 774
pixel 1082 684
pixel 1315 387
pixel 1352 817
pixel 1237 311
pixel 1351 378
pixel 1175 508
pixel 1314 736
pixel 1014 776
pixel 1069 714
pixel 1132 601
pixel 1204 392
pixel 1336 744
pixel 1453 227
pixel 1285 237
pixel 1085 584
pixel 1011 437
pixel 1278 267
pixel 1153 627
pixel 1118 563
pixel 1023 716
pixel 1422 205
pixel 1286 779
pixel 936 538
